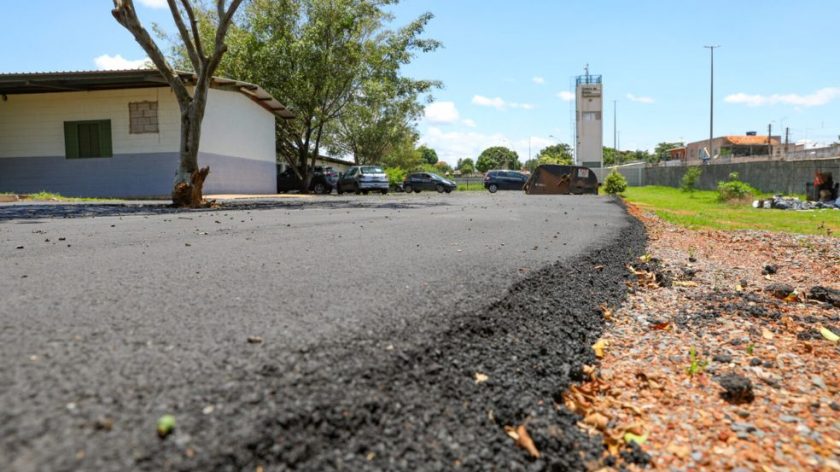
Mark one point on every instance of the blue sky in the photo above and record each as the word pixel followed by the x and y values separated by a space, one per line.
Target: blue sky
pixel 506 65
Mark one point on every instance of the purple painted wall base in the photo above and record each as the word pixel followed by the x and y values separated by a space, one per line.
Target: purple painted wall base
pixel 131 175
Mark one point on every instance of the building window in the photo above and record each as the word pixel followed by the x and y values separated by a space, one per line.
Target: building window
pixel 84 139
pixel 143 117
pixel 591 115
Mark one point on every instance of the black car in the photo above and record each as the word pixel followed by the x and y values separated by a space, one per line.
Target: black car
pixel 504 180
pixel 427 181
pixel 324 180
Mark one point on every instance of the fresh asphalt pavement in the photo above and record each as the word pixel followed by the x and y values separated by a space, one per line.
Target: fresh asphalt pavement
pixel 247 321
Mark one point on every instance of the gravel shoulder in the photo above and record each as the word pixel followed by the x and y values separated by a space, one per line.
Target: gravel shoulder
pixel 370 320
pixel 761 390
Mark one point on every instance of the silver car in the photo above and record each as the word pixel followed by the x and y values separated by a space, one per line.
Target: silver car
pixel 363 179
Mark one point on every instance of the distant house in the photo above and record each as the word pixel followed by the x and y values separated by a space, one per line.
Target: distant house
pixel 734 146
pixel 117 134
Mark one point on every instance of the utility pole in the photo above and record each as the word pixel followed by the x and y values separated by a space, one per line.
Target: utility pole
pixel 769 135
pixel 712 97
pixel 615 126
pixel 787 139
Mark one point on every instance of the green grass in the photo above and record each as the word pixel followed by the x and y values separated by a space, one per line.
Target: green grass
pixel 57 197
pixel 472 187
pixel 702 210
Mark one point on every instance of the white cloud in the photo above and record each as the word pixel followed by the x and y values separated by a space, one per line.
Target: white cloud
pixel 469 123
pixel 106 62
pixel 538 80
pixel 566 96
pixel 638 99
pixel 818 98
pixel 499 104
pixel 154 3
pixel 442 113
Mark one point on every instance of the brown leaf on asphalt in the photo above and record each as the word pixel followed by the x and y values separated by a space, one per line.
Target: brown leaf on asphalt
pixel 479 377
pixel 606 311
pixel 522 439
pixel 254 340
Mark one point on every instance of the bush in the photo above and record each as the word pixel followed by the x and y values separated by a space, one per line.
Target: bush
pixel 615 183
pixel 734 189
pixel 395 175
pixel 690 178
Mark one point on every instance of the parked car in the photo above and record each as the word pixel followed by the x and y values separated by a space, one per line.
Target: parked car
pixel 363 179
pixel 427 181
pixel 504 180
pixel 324 180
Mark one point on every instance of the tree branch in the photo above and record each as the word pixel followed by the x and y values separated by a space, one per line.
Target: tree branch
pixel 126 15
pixel 194 25
pixel 185 35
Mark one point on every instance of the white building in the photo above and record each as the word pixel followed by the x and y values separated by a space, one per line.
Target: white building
pixel 589 149
pixel 117 134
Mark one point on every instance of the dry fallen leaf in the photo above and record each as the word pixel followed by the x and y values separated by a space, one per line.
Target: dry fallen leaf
pixel 479 377
pixel 829 335
pixel 523 440
pixel 685 283
pixel 597 420
pixel 766 334
pixel 636 438
pixel 599 347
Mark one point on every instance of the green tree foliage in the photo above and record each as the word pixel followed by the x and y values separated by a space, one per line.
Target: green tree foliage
pixel 396 175
pixel 497 157
pixel 429 155
pixel 688 183
pixel 661 151
pixel 555 154
pixel 403 154
pixel 615 183
pixel 614 157
pixel 443 168
pixel 337 67
pixel 466 165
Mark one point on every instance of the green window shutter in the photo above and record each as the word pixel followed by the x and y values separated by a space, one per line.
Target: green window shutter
pixel 71 140
pixel 105 147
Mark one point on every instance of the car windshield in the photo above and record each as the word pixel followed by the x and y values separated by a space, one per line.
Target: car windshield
pixel 372 170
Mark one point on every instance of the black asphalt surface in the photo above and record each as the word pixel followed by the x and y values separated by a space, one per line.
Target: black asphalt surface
pixel 372 313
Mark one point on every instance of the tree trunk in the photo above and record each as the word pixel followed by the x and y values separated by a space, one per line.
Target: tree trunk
pixel 187 191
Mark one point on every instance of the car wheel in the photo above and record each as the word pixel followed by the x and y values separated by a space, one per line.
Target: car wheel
pixel 449 190
pixel 319 188
pixel 365 192
pixel 384 192
pixel 407 188
pixel 492 188
pixel 439 188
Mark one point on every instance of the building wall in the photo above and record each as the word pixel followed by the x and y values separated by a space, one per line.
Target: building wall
pixel 590 133
pixel 768 176
pixel 237 143
pixel 33 124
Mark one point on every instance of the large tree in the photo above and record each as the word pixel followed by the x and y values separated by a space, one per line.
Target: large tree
pixel 189 180
pixel 429 155
pixel 497 157
pixel 466 165
pixel 328 60
pixel 556 154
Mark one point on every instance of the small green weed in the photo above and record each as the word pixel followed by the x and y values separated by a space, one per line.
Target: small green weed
pixel 697 365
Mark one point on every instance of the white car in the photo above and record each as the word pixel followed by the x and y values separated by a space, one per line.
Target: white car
pixel 363 179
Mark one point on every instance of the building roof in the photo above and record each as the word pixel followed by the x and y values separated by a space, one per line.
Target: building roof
pixel 752 140
pixel 44 82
